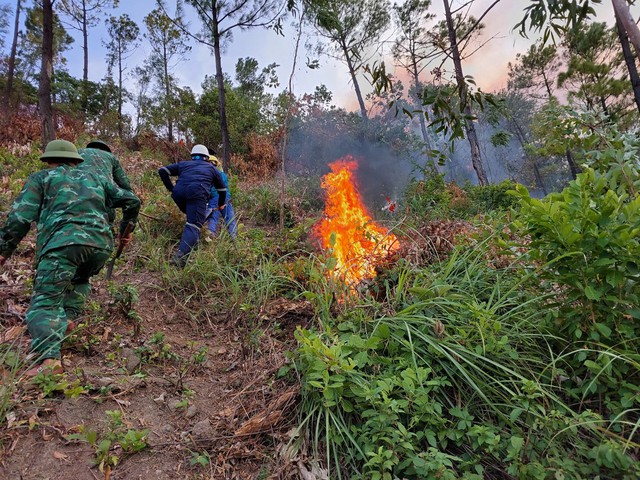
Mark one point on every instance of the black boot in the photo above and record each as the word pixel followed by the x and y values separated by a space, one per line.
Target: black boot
pixel 179 259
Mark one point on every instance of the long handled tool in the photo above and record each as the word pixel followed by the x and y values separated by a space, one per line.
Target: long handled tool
pixel 127 231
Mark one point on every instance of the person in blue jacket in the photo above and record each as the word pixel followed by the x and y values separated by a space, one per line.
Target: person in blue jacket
pixel 191 194
pixel 228 214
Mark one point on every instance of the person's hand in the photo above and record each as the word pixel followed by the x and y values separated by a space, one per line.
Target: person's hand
pixel 124 241
pixel 2 260
pixel 222 207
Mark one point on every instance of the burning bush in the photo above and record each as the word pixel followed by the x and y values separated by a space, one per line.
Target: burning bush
pixel 347 230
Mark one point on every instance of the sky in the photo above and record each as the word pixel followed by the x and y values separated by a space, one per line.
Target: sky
pixel 488 66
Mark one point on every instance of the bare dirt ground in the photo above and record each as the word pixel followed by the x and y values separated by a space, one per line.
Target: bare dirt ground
pixel 209 400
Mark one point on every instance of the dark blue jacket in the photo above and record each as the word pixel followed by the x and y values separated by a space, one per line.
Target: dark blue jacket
pixel 195 179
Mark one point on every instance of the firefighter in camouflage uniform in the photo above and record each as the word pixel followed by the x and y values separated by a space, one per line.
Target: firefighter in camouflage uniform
pixel 99 159
pixel 74 240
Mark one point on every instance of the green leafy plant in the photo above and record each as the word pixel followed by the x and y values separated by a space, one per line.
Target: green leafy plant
pixel 588 240
pixel 125 297
pixel 460 382
pixel 11 364
pixel 50 384
pixel 118 439
pixel 201 459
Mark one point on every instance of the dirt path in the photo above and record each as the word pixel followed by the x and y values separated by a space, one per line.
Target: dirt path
pixel 204 393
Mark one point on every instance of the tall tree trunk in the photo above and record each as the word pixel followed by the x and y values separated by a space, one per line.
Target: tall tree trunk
pixel 167 92
pixel 621 9
pixel 46 70
pixel 84 100
pixel 522 139
pixel 629 59
pixel 354 79
pixel 546 85
pixel 423 123
pixel 120 126
pixel 222 101
pixel 11 66
pixel 603 105
pixel 472 137
pixel 287 119
pixel 573 166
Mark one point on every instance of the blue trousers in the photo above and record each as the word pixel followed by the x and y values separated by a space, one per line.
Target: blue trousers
pixel 196 210
pixel 228 215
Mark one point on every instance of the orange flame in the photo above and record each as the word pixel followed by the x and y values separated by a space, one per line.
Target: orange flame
pixel 356 241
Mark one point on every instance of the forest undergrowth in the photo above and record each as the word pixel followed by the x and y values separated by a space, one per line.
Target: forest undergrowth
pixel 500 342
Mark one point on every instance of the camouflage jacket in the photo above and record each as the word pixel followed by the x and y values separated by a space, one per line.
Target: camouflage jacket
pixel 69 206
pixel 104 164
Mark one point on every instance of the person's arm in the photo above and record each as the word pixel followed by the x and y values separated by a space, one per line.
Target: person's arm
pixel 221 188
pixel 166 173
pixel 128 201
pixel 25 210
pixel 119 175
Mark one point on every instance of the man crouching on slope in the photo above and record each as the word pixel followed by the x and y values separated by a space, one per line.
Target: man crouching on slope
pixel 74 241
pixel 191 194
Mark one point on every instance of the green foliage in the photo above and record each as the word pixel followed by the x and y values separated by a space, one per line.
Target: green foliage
pixel 553 17
pixel 428 198
pixel 201 459
pixel 456 384
pixel 487 198
pixel 17 164
pixel 592 138
pixel 124 299
pixel 587 240
pixel 594 72
pixel 10 363
pixel 50 384
pixel 157 350
pixel 117 435
pixel 433 199
pixel 266 202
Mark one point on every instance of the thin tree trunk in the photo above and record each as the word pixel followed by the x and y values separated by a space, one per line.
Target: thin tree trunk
pixel 472 137
pixel 120 126
pixel 222 101
pixel 84 101
pixel 354 79
pixel 621 9
pixel 536 171
pixel 629 59
pixel 573 166
pixel 423 123
pixel 287 118
pixel 11 66
pixel 167 92
pixel 603 105
pixel 46 70
pixel 546 85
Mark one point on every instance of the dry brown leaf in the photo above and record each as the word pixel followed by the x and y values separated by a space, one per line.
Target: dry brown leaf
pixel 33 421
pixel 12 333
pixel 268 417
pixel 11 419
pixel 60 455
pixel 105 334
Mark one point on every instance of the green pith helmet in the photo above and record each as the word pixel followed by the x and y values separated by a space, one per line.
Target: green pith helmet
pixel 99 144
pixel 60 151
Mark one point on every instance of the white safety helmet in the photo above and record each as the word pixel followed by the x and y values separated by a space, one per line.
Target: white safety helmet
pixel 200 150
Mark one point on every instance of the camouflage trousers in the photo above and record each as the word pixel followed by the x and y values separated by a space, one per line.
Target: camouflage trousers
pixel 60 289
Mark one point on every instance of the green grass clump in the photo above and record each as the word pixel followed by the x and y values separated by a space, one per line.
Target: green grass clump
pixel 459 379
